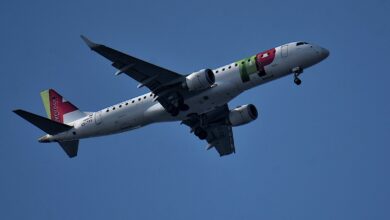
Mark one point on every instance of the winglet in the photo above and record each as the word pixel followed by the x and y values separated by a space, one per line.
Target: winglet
pixel 88 42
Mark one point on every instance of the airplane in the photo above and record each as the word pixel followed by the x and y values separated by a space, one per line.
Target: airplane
pixel 199 100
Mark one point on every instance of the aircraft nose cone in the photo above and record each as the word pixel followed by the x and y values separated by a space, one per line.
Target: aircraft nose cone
pixel 324 53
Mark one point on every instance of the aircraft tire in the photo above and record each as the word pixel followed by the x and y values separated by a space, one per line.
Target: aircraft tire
pixel 297 81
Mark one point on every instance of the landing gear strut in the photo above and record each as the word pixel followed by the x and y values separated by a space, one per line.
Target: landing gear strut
pixel 297 71
pixel 182 106
pixel 177 105
pixel 174 111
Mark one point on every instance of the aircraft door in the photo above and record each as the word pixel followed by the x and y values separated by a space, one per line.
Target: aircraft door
pixel 98 117
pixel 285 50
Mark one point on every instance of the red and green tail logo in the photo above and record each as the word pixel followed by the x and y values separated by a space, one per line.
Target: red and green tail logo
pixel 56 106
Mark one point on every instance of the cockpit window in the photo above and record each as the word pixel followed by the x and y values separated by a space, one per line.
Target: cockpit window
pixel 301 43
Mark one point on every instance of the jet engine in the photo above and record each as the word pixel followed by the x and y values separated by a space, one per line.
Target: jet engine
pixel 202 79
pixel 242 115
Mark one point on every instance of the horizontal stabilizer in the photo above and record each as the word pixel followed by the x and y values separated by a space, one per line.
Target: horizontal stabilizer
pixel 70 147
pixel 46 125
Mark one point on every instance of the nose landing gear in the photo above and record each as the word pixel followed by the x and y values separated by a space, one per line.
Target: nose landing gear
pixel 297 81
pixel 297 71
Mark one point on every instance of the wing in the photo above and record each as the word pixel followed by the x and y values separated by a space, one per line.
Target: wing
pixel 219 132
pixel 221 137
pixel 147 74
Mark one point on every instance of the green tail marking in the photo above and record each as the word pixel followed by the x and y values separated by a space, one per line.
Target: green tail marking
pixel 46 102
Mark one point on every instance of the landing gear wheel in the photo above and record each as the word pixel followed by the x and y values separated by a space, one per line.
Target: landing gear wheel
pixel 202 134
pixel 297 71
pixel 174 112
pixel 184 107
pixel 297 81
pixel 180 101
pixel 198 131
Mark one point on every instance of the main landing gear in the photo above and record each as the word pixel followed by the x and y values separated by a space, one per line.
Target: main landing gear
pixel 297 71
pixel 175 110
pixel 198 124
pixel 200 133
pixel 176 106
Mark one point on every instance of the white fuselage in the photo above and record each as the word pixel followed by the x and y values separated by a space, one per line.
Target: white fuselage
pixel 143 110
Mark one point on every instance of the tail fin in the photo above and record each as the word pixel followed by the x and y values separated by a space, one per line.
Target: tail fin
pixel 51 127
pixel 46 125
pixel 58 109
pixel 70 147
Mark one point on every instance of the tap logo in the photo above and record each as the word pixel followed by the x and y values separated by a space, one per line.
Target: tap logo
pixel 54 110
pixel 56 106
pixel 255 64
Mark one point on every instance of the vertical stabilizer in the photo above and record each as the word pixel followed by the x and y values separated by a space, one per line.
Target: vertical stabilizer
pixel 58 109
pixel 70 147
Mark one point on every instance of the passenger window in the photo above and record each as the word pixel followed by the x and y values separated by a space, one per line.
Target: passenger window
pixel 139 99
pixel 132 101
pixel 107 110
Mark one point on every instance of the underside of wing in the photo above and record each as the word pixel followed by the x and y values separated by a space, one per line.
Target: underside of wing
pixel 215 129
pixel 221 137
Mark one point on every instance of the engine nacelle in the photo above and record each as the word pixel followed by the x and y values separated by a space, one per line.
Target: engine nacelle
pixel 202 79
pixel 243 115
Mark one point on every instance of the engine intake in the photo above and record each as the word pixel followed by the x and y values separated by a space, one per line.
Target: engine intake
pixel 202 79
pixel 243 115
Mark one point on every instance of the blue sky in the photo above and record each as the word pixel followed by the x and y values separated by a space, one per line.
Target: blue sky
pixel 318 151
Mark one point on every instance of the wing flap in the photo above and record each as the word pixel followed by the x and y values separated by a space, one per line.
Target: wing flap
pixel 221 137
pixel 219 132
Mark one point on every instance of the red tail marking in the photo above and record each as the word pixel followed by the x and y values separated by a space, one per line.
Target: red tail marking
pixel 58 108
